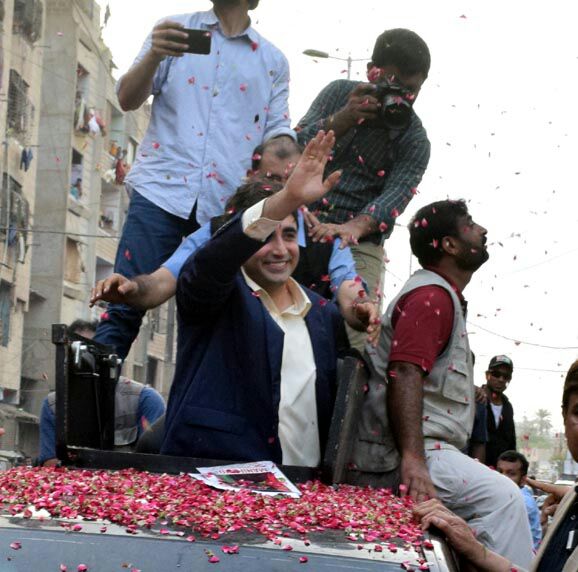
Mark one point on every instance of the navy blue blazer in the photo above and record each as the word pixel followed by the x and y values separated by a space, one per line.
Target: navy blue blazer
pixel 224 401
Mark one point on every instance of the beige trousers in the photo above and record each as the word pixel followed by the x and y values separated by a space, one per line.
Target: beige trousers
pixel 370 266
pixel 490 503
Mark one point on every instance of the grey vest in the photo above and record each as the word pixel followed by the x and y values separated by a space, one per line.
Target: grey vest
pixel 448 404
pixel 126 421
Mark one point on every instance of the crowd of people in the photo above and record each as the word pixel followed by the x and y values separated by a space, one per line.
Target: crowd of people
pixel 272 240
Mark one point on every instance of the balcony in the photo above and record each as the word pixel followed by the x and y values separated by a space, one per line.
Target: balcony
pixel 21 111
pixel 28 16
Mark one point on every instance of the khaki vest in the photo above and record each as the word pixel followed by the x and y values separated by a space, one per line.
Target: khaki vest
pixel 126 421
pixel 448 404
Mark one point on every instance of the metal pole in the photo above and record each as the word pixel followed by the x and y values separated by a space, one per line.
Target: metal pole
pixel 349 66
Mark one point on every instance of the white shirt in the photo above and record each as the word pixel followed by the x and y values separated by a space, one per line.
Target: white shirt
pixel 298 426
pixel 497 411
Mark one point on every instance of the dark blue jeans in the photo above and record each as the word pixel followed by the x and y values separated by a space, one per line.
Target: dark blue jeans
pixel 149 237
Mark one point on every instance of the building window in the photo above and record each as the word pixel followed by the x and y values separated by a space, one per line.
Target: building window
pixel 87 6
pixel 76 175
pixel 5 311
pixel 14 213
pixel 81 111
pixel 20 109
pixel 74 267
pixel 10 187
pixel 158 321
pixel 137 372
pixel 28 16
pixel 152 367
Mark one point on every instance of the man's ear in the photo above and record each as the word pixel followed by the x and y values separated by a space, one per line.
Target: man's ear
pixel 449 245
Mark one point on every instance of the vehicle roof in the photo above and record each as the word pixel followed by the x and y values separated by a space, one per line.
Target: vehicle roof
pixel 45 544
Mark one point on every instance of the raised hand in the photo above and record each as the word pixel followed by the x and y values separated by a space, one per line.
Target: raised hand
pixel 306 184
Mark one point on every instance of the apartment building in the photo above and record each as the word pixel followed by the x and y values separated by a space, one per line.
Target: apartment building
pixel 86 146
pixel 21 56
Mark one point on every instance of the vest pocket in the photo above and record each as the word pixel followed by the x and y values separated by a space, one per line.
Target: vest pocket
pixel 213 419
pixel 456 386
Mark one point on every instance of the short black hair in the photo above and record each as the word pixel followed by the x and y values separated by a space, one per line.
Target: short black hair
pixel 81 326
pixel 513 457
pixel 429 226
pixel 247 195
pixel 283 147
pixel 570 386
pixel 403 49
pixel 252 4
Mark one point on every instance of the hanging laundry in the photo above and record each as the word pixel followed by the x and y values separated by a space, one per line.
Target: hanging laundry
pixel 93 126
pixel 26 158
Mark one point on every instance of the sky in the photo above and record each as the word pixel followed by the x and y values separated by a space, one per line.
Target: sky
pixel 499 108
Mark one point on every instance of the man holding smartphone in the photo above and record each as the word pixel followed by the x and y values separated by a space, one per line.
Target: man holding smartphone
pixel 219 90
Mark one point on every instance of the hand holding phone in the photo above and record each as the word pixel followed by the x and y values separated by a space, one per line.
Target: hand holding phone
pixel 173 39
pixel 198 41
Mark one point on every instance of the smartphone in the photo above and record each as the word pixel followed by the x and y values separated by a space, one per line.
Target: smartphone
pixel 199 41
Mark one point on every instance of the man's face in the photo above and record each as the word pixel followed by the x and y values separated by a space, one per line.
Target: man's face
pixel 271 165
pixel 472 239
pixel 498 378
pixel 412 83
pixel 273 264
pixel 571 425
pixel 512 470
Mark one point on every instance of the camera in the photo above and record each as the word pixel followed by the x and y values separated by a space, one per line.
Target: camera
pixel 396 105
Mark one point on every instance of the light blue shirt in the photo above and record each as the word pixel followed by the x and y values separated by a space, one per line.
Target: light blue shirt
pixel 533 516
pixel 341 263
pixel 209 112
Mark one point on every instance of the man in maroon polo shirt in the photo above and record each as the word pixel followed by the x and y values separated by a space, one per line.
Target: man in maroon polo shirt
pixel 419 409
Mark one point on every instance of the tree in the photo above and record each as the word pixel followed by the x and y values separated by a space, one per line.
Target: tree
pixel 543 422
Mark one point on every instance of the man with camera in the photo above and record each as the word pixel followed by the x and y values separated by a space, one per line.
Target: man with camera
pixel 219 90
pixel 382 150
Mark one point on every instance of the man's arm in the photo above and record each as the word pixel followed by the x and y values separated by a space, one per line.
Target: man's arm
pixel 358 310
pixel 136 85
pixel 143 292
pixel 423 323
pixel 405 412
pixel 473 554
pixel 398 190
pixel 151 406
pixel 400 186
pixel 329 112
